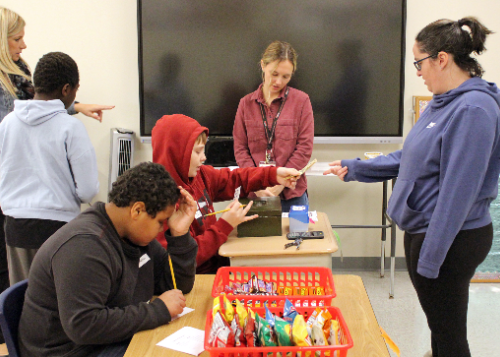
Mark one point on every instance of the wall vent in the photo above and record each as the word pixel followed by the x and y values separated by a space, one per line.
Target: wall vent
pixel 121 153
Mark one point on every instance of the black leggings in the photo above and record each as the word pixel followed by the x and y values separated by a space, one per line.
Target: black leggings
pixel 445 299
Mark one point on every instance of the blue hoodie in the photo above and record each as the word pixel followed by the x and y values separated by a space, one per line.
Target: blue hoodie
pixel 47 163
pixel 447 170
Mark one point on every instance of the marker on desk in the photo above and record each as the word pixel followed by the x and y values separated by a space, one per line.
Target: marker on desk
pixel 172 271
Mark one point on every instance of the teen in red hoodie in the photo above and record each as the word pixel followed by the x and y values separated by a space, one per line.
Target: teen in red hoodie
pixel 179 145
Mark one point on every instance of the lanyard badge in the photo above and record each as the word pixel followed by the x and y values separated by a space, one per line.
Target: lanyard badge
pixel 270 132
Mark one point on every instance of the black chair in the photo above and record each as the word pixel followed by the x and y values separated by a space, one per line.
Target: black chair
pixel 11 305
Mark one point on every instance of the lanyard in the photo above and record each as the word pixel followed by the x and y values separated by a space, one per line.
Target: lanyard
pixel 270 132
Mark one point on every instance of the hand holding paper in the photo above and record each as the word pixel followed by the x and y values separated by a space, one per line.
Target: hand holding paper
pixel 307 167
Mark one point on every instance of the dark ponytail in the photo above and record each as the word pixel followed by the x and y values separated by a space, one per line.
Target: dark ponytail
pixel 457 38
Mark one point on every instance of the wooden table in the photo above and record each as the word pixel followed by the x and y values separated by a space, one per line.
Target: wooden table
pixel 351 299
pixel 269 251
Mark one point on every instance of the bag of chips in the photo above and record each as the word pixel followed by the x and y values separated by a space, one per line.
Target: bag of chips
pixel 300 337
pixel 289 311
pixel 221 334
pixel 250 331
pixel 265 332
pixel 224 306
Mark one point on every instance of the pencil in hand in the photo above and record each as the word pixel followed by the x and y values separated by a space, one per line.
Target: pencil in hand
pixel 224 210
pixel 172 271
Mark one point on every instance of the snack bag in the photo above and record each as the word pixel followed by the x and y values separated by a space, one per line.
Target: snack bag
pixel 224 306
pixel 300 337
pixel 250 330
pixel 312 319
pixel 242 313
pixel 283 330
pixel 335 335
pixel 269 317
pixel 289 311
pixel 265 332
pixel 239 336
pixel 318 336
pixel 221 334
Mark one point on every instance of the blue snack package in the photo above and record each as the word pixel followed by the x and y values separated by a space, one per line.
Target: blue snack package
pixel 269 317
pixel 289 311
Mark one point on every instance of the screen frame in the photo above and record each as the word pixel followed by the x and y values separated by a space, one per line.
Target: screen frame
pixel 358 139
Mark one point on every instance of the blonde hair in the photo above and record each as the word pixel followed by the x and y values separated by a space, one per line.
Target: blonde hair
pixel 279 51
pixel 10 25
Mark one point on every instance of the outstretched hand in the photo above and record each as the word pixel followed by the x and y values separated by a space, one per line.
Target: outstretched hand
pixel 337 169
pixel 238 214
pixel 287 177
pixel 92 110
pixel 180 221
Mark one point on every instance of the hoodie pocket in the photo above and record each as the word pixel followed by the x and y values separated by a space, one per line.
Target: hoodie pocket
pixel 399 210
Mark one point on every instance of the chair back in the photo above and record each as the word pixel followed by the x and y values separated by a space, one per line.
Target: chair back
pixel 11 306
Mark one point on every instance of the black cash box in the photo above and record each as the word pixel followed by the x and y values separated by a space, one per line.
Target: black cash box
pixel 269 221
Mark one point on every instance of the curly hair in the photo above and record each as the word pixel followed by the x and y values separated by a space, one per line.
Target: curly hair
pixel 53 71
pixel 147 182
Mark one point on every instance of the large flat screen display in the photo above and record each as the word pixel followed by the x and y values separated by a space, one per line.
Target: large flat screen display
pixel 200 57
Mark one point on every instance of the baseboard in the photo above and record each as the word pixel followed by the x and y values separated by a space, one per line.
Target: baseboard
pixel 486 277
pixel 366 263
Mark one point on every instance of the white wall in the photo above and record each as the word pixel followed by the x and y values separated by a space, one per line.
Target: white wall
pixel 102 38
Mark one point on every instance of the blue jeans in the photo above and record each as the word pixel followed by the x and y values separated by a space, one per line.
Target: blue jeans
pixel 114 350
pixel 296 201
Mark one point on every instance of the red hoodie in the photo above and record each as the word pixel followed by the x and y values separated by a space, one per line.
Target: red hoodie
pixel 173 139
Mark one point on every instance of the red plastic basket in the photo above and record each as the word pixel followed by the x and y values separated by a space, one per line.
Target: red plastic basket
pixel 282 276
pixel 284 351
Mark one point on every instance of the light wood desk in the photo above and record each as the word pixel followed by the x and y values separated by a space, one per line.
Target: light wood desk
pixel 351 299
pixel 269 251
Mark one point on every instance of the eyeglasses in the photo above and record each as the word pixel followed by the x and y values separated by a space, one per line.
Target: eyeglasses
pixel 417 64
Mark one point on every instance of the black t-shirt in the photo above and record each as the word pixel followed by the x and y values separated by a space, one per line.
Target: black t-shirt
pixel 29 233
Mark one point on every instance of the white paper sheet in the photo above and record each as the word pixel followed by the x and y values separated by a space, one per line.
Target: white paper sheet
pixel 186 310
pixel 188 340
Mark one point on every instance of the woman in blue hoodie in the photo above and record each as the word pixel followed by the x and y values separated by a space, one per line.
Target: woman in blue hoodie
pixel 447 174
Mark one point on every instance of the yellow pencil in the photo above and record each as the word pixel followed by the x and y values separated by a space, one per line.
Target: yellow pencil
pixel 172 271
pixel 224 210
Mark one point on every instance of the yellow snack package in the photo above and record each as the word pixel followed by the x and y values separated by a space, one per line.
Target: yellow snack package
pixel 300 337
pixel 334 333
pixel 224 306
pixel 242 313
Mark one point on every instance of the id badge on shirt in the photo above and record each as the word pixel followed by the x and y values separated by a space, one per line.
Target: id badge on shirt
pixel 143 260
pixel 266 164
